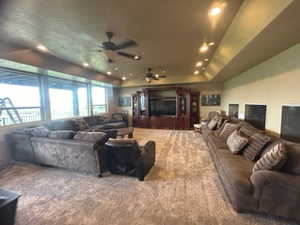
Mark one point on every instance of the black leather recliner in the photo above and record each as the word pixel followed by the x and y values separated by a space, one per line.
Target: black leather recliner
pixel 125 156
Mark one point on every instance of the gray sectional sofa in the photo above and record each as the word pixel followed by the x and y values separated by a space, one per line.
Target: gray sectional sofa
pixel 265 191
pixel 58 143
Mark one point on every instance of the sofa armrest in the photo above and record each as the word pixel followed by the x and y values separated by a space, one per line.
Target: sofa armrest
pixel 146 161
pixel 277 180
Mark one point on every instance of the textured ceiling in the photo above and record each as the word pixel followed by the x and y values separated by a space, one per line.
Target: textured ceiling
pixel 169 32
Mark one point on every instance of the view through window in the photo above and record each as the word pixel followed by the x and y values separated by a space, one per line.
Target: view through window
pixel 98 99
pixel 19 98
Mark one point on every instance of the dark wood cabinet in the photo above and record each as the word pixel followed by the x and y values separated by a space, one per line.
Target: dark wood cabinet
pixel 165 108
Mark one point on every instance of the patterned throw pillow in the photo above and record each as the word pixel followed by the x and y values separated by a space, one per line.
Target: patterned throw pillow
pixel 256 144
pixel 272 160
pixel 81 124
pixel 228 129
pixel 61 134
pixel 212 124
pixel 236 142
pixel 248 131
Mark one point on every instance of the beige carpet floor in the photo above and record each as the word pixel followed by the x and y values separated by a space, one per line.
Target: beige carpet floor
pixel 182 189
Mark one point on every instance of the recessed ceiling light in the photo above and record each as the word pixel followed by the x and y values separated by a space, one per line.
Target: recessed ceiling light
pixel 199 64
pixel 123 78
pixel 196 72
pixel 204 48
pixel 85 64
pixel 211 43
pixel 206 60
pixel 157 75
pixel 136 57
pixel 215 11
pixel 116 68
pixel 109 73
pixel 42 48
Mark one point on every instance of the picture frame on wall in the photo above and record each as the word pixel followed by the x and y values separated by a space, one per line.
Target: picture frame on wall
pixel 125 101
pixel 211 100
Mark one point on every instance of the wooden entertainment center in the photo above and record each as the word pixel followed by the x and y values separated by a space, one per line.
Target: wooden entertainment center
pixel 165 108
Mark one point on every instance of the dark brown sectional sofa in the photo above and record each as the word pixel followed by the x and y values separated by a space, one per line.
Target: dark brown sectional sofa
pixel 35 145
pixel 265 191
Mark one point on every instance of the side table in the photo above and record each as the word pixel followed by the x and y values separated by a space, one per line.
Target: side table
pixel 8 206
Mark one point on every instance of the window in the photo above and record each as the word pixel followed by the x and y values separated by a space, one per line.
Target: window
pixel 27 94
pixel 98 100
pixel 82 101
pixel 19 98
pixel 234 110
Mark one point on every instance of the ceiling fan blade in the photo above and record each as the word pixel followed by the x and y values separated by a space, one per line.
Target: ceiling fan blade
pixel 126 44
pixel 134 57
pixel 162 76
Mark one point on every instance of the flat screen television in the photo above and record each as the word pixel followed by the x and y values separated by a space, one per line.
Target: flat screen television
pixel 161 107
pixel 290 123
pixel 256 115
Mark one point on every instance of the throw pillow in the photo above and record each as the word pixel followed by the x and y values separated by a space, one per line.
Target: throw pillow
pixel 98 137
pixel 81 124
pixel 256 144
pixel 248 130
pixel 40 132
pixel 61 134
pixel 219 130
pixel 236 142
pixel 212 124
pixel 272 160
pixel 228 129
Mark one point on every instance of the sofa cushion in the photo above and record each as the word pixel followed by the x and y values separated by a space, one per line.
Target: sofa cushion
pixel 99 127
pixel 292 164
pixel 256 144
pixel 62 134
pixel 272 160
pixel 40 132
pixel 237 171
pixel 228 129
pixel 61 125
pixel 91 120
pixel 236 142
pixel 217 142
pixel 115 125
pixel 98 137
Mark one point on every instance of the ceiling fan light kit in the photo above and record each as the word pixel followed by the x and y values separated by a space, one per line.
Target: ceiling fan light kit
pixel 150 76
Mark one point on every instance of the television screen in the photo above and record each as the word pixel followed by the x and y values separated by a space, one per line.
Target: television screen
pixel 256 115
pixel 290 123
pixel 163 107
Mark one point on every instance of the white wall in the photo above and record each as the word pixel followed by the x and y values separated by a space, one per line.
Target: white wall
pixel 275 82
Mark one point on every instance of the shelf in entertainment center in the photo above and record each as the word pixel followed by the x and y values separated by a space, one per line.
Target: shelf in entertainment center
pixel 165 108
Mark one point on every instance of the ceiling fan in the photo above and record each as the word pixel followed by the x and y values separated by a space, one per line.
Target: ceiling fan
pixel 111 49
pixel 149 76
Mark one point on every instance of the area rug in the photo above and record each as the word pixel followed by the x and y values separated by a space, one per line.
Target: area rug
pixel 182 189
